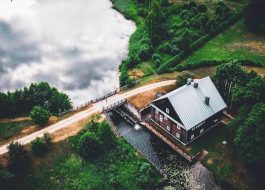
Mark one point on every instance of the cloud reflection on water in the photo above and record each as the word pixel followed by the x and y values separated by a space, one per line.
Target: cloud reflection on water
pixel 75 45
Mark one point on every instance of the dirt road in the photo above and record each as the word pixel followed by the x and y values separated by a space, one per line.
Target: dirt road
pixel 97 107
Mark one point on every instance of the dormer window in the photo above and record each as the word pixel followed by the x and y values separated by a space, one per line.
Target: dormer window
pixel 167 110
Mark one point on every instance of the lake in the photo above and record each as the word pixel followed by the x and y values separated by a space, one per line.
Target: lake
pixel 75 45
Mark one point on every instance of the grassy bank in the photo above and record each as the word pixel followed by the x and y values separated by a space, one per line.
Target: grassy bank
pixel 234 43
pixel 119 167
pixel 9 129
pixel 222 159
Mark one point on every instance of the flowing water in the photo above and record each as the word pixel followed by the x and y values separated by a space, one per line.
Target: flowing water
pixel 75 45
pixel 181 175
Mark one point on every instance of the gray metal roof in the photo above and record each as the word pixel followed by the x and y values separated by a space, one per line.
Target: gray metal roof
pixel 189 102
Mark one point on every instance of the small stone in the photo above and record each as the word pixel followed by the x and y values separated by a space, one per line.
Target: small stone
pixel 224 142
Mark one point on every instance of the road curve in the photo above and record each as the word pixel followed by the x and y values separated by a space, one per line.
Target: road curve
pixel 97 107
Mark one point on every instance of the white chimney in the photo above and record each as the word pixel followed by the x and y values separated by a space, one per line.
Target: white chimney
pixel 189 80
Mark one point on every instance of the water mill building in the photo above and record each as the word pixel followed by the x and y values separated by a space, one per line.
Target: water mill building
pixel 189 111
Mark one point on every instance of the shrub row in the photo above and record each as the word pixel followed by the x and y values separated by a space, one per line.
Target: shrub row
pixel 209 63
pixel 198 43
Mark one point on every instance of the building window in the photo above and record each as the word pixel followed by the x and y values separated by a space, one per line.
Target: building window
pixel 161 117
pixel 167 110
pixel 156 111
pixel 215 120
pixel 178 127
pixel 168 128
pixel 192 136
pixel 177 135
pixel 201 131
pixel 166 118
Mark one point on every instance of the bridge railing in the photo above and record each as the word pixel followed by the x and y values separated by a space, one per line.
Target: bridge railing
pixel 118 103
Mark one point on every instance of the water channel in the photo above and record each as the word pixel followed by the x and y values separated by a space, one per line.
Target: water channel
pixel 181 175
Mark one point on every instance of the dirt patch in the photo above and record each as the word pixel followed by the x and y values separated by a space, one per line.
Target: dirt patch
pixel 210 161
pixel 26 131
pixel 140 101
pixel 15 119
pixel 136 73
pixel 254 46
pixel 74 128
pixel 259 70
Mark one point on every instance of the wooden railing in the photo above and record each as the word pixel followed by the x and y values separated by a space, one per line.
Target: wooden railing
pixel 114 105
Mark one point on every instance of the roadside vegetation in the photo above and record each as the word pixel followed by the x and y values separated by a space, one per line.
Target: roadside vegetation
pixel 21 102
pixel 10 129
pixel 92 159
pixel 40 116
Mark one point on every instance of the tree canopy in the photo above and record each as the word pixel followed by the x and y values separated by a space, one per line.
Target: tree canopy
pixel 40 116
pixel 250 136
pixel 42 94
pixel 255 16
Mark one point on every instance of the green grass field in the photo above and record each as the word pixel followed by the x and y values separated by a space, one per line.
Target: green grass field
pixel 234 43
pixel 10 129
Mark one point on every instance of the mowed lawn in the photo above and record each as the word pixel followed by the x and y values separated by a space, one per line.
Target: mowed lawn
pixel 9 129
pixel 235 43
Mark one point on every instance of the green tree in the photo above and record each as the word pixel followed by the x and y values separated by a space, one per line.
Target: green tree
pixel 250 93
pixel 182 78
pixel 18 156
pixel 6 179
pixel 154 21
pixel 89 146
pixel 227 76
pixel 250 137
pixel 40 116
pixel 106 137
pixel 38 146
pixel 22 101
pixel 255 16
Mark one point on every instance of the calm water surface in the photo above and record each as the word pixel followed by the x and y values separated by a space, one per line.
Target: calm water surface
pixel 75 45
pixel 181 175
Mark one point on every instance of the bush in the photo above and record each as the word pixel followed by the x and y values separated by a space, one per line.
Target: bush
pixel 132 61
pixel 6 179
pixel 255 16
pixel 145 52
pixel 106 136
pixel 156 59
pixel 89 146
pixel 18 156
pixel 202 8
pixel 48 139
pixel 165 47
pixel 38 146
pixel 182 78
pixel 40 116
pixel 174 50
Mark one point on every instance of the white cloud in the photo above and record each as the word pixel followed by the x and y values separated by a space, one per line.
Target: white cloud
pixel 76 45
